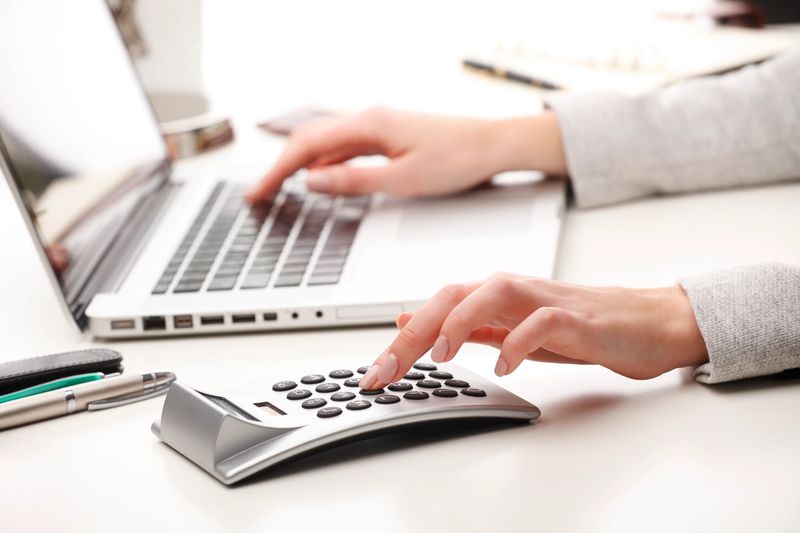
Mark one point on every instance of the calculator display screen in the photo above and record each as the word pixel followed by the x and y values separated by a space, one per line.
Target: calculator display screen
pixel 269 409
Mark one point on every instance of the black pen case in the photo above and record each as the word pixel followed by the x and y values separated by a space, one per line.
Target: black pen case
pixel 24 373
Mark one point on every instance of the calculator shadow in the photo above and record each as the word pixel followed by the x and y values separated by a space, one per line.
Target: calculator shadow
pixel 389 441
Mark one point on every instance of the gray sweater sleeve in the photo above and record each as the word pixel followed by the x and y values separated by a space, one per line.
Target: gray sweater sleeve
pixel 742 128
pixel 739 129
pixel 750 320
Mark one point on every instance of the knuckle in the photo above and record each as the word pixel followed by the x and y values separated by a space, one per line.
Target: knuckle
pixel 452 294
pixel 376 113
pixel 409 336
pixel 551 317
pixel 499 285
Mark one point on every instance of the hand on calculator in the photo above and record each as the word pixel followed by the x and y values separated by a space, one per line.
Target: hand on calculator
pixel 639 333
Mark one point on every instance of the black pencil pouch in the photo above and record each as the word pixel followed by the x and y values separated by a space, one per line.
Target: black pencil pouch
pixel 24 373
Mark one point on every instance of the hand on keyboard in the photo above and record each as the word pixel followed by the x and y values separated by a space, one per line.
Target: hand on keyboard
pixel 428 155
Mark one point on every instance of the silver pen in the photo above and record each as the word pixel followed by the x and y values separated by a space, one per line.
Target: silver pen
pixel 100 394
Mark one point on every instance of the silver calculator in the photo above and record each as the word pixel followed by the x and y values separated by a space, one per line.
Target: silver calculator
pixel 256 426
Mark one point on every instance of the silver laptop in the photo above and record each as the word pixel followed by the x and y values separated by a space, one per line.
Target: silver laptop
pixel 141 253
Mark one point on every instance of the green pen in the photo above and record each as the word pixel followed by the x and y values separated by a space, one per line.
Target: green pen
pixel 52 385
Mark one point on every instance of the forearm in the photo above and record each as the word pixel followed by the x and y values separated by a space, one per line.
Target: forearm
pixel 529 143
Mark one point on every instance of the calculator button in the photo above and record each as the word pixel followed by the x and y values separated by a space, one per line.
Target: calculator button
pixel 298 394
pixel 414 375
pixel 473 392
pixel 362 369
pixel 352 382
pixel 327 412
pixel 342 396
pixel 284 386
pixel 366 392
pixel 358 405
pixel 428 384
pixel 415 395
pixel 313 403
pixel 341 374
pixel 328 387
pixel 400 386
pixel 438 374
pixel 445 393
pixel 312 379
pixel 387 399
pixel 457 383
pixel 425 366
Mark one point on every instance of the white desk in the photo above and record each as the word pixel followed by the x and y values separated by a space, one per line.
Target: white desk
pixel 609 454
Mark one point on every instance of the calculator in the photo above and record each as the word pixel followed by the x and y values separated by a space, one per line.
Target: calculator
pixel 259 425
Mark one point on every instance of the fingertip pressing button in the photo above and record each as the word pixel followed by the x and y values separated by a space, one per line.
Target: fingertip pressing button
pixel 367 392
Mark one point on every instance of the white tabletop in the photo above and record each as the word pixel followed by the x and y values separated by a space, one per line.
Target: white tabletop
pixel 608 454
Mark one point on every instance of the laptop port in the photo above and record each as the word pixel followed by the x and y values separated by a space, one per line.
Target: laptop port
pixel 128 323
pixel 243 319
pixel 154 323
pixel 270 317
pixel 295 315
pixel 319 314
pixel 183 321
pixel 215 320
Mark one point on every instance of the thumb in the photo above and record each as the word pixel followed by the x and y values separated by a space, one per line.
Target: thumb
pixel 348 180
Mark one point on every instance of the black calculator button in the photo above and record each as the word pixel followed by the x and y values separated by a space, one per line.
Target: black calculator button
pixel 366 392
pixel 284 386
pixel 298 394
pixel 414 375
pixel 473 392
pixel 457 383
pixel 312 379
pixel 313 403
pixel 327 412
pixel 400 386
pixel 341 374
pixel 352 382
pixel 425 366
pixel 342 396
pixel 415 395
pixel 362 369
pixel 328 387
pixel 358 405
pixel 438 374
pixel 387 398
pixel 445 393
pixel 428 384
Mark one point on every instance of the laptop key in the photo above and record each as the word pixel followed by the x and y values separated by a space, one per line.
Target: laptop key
pixel 190 286
pixel 222 283
pixel 323 279
pixel 289 280
pixel 256 281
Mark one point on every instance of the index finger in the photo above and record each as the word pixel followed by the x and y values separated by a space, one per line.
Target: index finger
pixel 308 144
pixel 416 337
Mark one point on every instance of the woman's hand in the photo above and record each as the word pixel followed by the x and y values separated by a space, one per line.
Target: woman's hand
pixel 428 154
pixel 639 333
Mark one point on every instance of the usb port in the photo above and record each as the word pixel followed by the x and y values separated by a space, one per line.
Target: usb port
pixel 242 319
pixel 214 320
pixel 154 323
pixel 183 321
pixel 128 323
pixel 270 317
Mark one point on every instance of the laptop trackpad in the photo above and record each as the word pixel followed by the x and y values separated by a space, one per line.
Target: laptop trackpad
pixel 489 212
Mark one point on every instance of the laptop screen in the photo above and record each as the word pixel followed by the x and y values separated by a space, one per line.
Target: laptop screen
pixel 77 134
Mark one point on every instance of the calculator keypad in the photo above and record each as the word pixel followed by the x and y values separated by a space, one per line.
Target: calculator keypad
pixel 432 383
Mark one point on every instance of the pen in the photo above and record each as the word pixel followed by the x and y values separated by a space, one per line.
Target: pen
pixel 51 385
pixel 510 75
pixel 96 394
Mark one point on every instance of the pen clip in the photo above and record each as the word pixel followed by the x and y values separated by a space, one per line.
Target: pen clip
pixel 128 398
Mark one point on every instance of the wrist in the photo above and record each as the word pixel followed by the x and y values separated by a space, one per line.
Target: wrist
pixel 529 143
pixel 687 346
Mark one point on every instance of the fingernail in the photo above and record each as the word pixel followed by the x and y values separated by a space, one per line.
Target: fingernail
pixel 318 181
pixel 501 367
pixel 439 350
pixel 387 368
pixel 370 379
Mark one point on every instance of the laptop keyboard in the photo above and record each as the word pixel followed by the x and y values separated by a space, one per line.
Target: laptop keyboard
pixel 298 239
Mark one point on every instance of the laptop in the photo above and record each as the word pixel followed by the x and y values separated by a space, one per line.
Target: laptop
pixel 135 251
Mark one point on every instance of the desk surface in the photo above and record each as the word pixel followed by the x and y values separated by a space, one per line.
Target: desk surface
pixel 609 454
